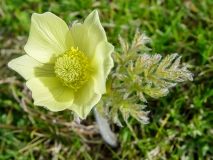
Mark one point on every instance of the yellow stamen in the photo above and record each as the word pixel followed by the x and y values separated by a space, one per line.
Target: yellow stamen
pixel 72 69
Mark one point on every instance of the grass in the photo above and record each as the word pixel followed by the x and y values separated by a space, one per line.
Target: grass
pixel 180 124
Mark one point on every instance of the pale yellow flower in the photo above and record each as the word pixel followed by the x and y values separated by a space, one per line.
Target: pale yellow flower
pixel 65 68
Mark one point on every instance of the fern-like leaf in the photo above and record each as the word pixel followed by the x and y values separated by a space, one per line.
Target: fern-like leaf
pixel 114 116
pixel 139 42
pixel 124 44
pixel 136 111
pixel 140 74
pixel 117 57
pixel 155 92
pixel 162 73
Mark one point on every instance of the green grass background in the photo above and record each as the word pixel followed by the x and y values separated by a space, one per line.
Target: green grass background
pixel 181 124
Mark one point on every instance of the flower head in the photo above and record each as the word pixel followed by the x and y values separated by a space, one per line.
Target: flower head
pixel 65 68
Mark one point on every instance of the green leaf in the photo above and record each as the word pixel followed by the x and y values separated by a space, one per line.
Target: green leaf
pixel 124 44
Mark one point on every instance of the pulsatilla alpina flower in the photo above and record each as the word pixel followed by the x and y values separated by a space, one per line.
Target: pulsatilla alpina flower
pixel 65 68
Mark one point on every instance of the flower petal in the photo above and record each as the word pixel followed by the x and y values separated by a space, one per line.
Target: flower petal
pixel 48 92
pixel 79 36
pixel 101 65
pixel 87 36
pixel 49 37
pixel 28 67
pixel 85 100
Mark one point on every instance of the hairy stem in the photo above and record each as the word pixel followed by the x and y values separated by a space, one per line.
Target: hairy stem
pixel 105 131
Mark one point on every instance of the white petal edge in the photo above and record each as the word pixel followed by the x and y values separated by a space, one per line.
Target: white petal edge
pixel 85 99
pixel 101 64
pixel 28 67
pixel 49 93
pixel 49 37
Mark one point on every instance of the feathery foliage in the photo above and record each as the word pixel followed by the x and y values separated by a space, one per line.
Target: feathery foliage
pixel 137 74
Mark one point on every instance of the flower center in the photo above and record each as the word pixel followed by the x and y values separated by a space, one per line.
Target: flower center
pixel 72 69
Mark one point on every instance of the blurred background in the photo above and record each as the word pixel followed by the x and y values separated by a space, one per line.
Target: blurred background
pixel 181 124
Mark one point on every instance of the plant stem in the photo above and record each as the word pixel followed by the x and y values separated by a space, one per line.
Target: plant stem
pixel 105 131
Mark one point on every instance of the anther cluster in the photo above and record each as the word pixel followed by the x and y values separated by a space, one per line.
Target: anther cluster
pixel 72 69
